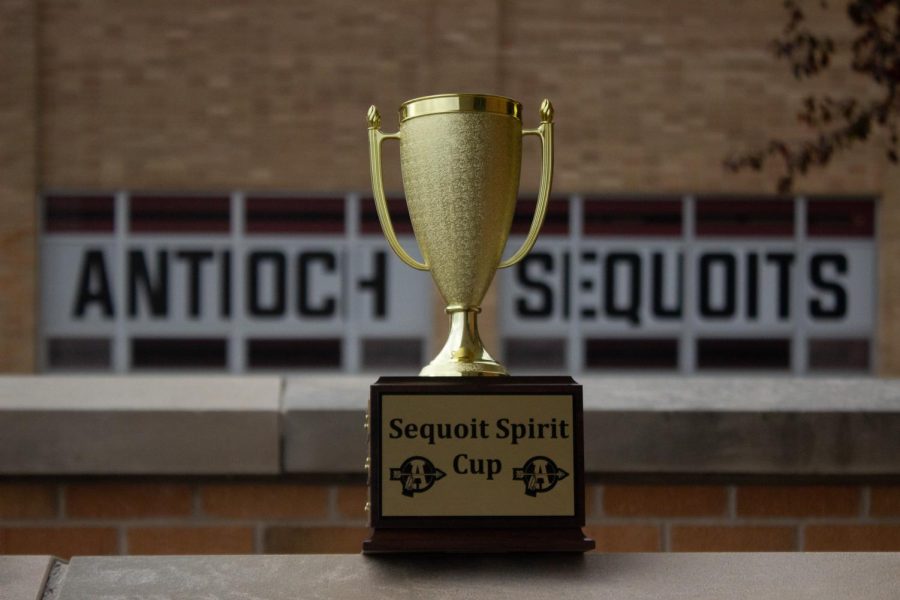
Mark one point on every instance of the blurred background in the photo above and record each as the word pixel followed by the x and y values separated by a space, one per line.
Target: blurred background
pixel 184 188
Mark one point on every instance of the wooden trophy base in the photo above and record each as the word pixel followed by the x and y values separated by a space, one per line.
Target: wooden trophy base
pixel 476 465
pixel 393 541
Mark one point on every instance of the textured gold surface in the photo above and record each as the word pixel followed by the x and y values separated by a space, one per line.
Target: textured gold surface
pixel 446 103
pixel 460 156
pixel 376 138
pixel 461 178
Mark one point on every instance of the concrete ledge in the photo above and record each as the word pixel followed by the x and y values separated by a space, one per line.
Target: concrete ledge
pixel 818 576
pixel 314 425
pixel 24 577
pixel 659 425
pixel 742 426
pixel 323 424
pixel 139 425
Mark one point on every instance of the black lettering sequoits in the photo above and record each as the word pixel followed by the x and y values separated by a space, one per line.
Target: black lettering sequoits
pixel 543 305
pixel 660 310
pixel 783 262
pixel 817 274
pixel 727 264
pixel 728 284
pixel 630 263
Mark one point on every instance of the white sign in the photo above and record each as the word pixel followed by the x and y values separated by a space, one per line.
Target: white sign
pixel 649 285
pixel 107 280
pixel 277 286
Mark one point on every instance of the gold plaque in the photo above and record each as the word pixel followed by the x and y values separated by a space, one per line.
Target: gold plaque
pixel 454 455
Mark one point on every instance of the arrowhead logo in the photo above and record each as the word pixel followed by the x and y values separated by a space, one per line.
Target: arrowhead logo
pixel 540 475
pixel 417 474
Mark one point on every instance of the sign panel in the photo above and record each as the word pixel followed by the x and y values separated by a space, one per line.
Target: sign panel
pixel 477 455
pixel 179 284
pixel 642 286
pixel 296 282
pixel 237 281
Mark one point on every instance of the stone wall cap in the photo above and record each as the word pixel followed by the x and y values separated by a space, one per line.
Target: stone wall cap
pixel 323 392
pixel 24 577
pixel 140 393
pixel 742 394
pixel 762 576
pixel 653 393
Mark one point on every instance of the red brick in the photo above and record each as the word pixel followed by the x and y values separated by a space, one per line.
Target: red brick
pixel 27 501
pixel 351 501
pixel 798 501
pixel 190 540
pixel 265 500
pixel 885 501
pixel 847 538
pixel 664 500
pixel 703 538
pixel 590 499
pixel 128 500
pixel 315 540
pixel 625 538
pixel 63 542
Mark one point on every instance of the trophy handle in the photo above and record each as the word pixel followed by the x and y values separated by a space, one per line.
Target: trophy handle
pixel 376 137
pixel 545 132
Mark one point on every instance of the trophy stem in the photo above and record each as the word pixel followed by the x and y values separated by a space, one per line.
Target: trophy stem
pixel 463 355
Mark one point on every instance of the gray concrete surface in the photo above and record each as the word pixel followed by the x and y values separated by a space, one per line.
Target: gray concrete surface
pixel 139 425
pixel 819 576
pixel 24 577
pixel 745 425
pixel 323 424
pixel 762 442
pixel 313 425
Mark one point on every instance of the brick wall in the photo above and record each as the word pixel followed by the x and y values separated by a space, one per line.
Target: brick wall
pixel 18 185
pixel 223 94
pixel 185 516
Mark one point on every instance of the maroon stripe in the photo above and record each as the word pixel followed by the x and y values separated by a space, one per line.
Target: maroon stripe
pixel 294 353
pixel 178 353
pixel 369 224
pixel 632 217
pixel 745 218
pixel 840 218
pixel 771 353
pixel 294 215
pixel 623 353
pixel 200 214
pixel 555 223
pixel 89 214
pixel 844 354
pixel 176 226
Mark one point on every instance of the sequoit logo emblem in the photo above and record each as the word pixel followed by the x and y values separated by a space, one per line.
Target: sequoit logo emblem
pixel 540 475
pixel 417 474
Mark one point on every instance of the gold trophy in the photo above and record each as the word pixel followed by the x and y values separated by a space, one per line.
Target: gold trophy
pixel 460 156
pixel 508 476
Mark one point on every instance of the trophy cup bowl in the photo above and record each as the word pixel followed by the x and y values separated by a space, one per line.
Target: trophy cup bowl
pixel 460 158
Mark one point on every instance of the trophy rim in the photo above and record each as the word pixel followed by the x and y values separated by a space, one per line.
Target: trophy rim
pixel 451 103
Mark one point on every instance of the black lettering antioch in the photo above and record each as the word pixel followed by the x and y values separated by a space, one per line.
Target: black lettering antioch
pixel 93 286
